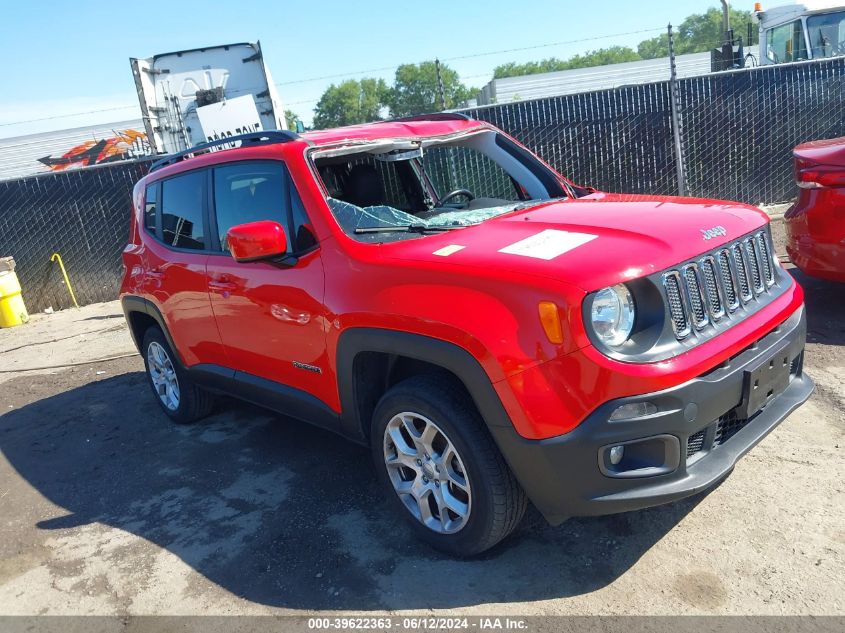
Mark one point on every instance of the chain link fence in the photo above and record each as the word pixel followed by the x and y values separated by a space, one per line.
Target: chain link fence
pixel 737 133
pixel 84 216
pixel 613 140
pixel 739 128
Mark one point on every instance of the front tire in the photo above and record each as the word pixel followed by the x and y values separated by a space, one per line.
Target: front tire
pixel 441 468
pixel 177 395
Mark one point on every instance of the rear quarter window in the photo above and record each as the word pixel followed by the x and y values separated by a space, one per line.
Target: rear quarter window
pixel 150 201
pixel 182 211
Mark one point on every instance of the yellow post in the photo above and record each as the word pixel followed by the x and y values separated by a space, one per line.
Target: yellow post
pixel 58 258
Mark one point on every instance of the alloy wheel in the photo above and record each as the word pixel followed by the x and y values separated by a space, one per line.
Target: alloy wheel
pixel 427 473
pixel 163 375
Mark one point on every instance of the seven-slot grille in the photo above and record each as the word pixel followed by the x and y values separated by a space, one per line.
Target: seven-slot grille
pixel 705 291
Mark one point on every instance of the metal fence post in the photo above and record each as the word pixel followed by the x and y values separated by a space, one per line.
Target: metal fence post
pixel 676 117
pixel 441 93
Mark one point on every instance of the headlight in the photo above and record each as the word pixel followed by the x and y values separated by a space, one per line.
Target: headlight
pixel 612 315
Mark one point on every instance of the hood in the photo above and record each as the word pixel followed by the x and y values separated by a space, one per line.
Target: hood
pixel 591 242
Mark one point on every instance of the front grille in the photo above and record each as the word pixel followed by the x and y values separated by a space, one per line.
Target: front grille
pixel 711 286
pixel 676 305
pixel 754 265
pixel 729 425
pixel 696 299
pixel 695 442
pixel 727 280
pixel 766 257
pixel 741 272
pixel 702 292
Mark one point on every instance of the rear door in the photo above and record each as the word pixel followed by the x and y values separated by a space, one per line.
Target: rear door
pixel 270 316
pixel 174 264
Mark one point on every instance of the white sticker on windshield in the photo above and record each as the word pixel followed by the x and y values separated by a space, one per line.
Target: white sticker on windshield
pixel 548 244
pixel 449 250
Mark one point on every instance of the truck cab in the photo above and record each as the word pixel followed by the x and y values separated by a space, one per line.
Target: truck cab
pixel 813 29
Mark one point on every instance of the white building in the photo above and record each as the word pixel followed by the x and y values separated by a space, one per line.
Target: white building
pixel 567 82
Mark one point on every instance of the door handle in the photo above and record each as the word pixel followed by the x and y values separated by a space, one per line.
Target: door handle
pixel 155 273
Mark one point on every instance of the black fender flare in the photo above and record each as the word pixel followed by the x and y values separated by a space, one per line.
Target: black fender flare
pixel 437 352
pixel 131 304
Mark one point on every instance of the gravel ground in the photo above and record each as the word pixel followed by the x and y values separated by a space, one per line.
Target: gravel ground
pixel 107 508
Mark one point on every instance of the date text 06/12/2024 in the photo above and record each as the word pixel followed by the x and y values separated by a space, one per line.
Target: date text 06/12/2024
pixel 422 623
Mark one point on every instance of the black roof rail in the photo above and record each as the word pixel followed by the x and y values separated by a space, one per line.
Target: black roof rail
pixel 256 138
pixel 434 116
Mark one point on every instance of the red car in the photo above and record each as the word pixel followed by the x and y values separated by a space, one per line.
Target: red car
pixel 815 225
pixel 494 333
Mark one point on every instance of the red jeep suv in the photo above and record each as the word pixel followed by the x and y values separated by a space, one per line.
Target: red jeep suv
pixel 494 333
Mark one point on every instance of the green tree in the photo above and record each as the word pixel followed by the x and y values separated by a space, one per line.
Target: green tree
pixel 600 57
pixel 350 102
pixel 698 33
pixel 604 56
pixel 291 118
pixel 512 69
pixel 415 89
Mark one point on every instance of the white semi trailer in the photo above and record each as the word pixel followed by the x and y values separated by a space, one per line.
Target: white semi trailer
pixel 193 96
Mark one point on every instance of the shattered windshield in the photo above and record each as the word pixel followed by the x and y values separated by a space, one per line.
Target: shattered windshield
pixel 430 184
pixel 352 217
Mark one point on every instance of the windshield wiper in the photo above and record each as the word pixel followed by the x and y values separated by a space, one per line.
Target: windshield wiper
pixel 410 228
pixel 530 204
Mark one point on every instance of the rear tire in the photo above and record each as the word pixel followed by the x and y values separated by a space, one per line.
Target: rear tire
pixel 441 468
pixel 177 395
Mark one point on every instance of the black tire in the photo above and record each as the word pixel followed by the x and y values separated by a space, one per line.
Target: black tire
pixel 194 403
pixel 498 501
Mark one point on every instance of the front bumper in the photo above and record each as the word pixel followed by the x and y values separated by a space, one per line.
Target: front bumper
pixel 700 426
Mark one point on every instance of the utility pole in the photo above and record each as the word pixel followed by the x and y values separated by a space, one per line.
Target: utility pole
pixel 441 93
pixel 675 96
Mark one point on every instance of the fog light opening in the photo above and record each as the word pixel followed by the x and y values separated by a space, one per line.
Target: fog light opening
pixel 616 454
pixel 646 457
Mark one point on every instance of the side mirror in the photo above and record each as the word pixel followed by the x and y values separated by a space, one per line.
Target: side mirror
pixel 257 240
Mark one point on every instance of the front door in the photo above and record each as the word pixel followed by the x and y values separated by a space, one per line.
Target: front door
pixel 271 317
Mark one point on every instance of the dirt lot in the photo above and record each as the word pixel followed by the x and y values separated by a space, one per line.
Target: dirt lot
pixel 107 508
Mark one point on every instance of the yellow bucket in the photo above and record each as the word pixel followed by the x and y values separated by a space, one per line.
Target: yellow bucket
pixel 12 309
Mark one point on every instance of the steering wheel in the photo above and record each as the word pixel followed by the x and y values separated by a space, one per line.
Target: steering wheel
pixel 454 194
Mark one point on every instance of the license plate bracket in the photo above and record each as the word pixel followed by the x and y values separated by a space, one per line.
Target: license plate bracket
pixel 764 381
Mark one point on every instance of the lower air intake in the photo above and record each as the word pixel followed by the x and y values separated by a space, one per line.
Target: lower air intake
pixel 695 443
pixel 729 425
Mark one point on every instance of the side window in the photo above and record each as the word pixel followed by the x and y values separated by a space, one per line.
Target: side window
pixel 786 43
pixel 150 200
pixel 254 191
pixel 182 211
pixel 249 192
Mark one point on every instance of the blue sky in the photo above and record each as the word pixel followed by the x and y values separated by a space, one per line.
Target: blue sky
pixel 61 58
